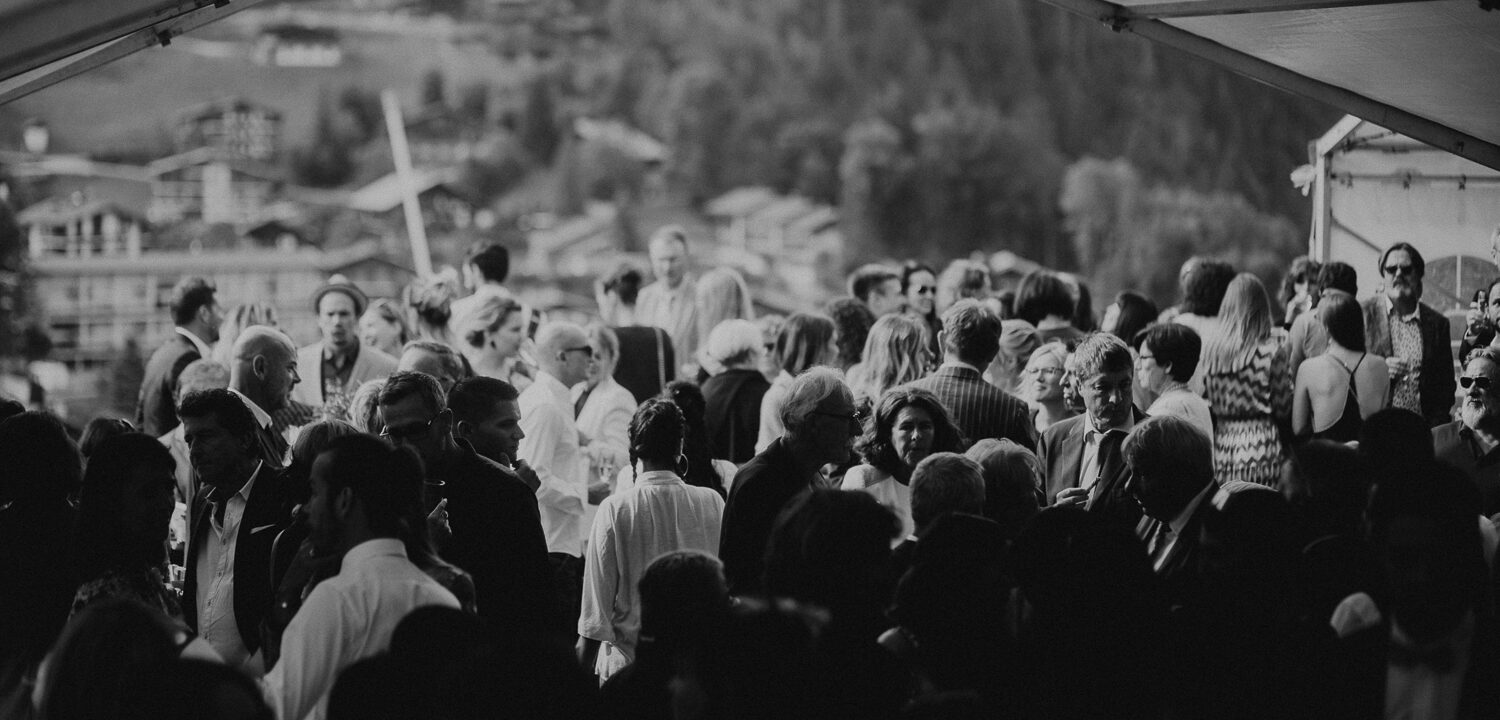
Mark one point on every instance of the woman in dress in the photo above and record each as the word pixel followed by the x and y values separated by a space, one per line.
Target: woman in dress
pixel 908 424
pixel 1043 386
pixel 383 327
pixel 1248 384
pixel 1337 390
pixel 493 335
pixel 806 340
pixel 897 351
pixel 124 509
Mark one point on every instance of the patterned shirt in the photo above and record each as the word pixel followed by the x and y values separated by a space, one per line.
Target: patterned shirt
pixel 335 373
pixel 1406 343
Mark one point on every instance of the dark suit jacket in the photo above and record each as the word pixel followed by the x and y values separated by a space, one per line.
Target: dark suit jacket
pixel 979 409
pixel 1438 382
pixel 647 362
pixel 1179 569
pixel 1454 443
pixel 267 513
pixel 156 406
pixel 497 538
pixel 761 489
pixel 1062 460
pixel 732 412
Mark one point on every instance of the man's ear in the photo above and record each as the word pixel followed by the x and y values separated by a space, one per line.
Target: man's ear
pixel 258 365
pixel 343 502
pixel 462 428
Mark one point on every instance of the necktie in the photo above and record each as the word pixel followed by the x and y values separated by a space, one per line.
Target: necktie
pixel 1108 463
pixel 583 397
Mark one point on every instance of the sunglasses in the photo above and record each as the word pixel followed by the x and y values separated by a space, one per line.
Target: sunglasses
pixel 1399 269
pixel 1481 382
pixel 585 349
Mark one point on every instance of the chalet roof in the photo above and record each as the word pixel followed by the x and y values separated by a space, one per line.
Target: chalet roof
pixel 740 202
pixel 59 210
pixel 29 166
pixel 784 211
pixel 206 155
pixel 216 108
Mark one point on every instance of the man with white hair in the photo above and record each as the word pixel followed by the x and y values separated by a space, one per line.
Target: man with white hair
pixel 732 396
pixel 821 424
pixel 668 302
pixel 551 442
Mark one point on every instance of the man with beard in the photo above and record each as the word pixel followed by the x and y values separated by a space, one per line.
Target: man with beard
pixel 1472 443
pixel 336 366
pixel 362 488
pixel 1412 337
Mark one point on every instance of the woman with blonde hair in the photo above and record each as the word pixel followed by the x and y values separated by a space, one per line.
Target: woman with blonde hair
pixel 383 327
pixel 430 301
pixel 721 294
pixel 1044 385
pixel 806 340
pixel 493 336
pixel 235 321
pixel 1248 384
pixel 897 352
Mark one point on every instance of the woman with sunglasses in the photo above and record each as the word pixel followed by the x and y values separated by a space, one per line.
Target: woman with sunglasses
pixel 1335 391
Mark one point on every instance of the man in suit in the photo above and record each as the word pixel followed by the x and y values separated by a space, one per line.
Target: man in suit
pixel 821 424
pixel 234 522
pixel 668 303
pixel 1412 337
pixel 264 373
pixel 970 339
pixel 334 367
pixel 1081 455
pixel 1171 467
pixel 496 525
pixel 195 313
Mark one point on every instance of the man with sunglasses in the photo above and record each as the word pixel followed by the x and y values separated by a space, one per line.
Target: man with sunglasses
pixel 496 529
pixel 1472 443
pixel 1412 337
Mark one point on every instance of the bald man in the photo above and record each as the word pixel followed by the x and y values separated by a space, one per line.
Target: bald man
pixel 551 442
pixel 263 375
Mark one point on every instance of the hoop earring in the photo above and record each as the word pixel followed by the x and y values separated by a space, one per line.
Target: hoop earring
pixel 682 459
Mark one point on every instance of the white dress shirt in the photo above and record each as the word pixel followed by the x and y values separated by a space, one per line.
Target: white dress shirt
pixel 215 569
pixel 551 448
pixel 659 515
pixel 348 617
pixel 605 421
pixel 886 489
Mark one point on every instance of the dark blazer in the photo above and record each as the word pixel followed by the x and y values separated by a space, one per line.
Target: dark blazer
pixel 1179 569
pixel 979 409
pixel 732 415
pixel 1455 443
pixel 647 362
pixel 156 406
pixel 1438 383
pixel 1062 459
pixel 267 513
pixel 497 538
pixel 761 489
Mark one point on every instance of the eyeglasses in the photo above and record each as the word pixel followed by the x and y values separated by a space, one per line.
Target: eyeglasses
pixel 1399 269
pixel 926 289
pixel 854 417
pixel 1481 382
pixel 408 432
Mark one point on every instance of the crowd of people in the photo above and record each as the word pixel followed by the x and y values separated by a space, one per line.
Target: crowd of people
pixel 931 499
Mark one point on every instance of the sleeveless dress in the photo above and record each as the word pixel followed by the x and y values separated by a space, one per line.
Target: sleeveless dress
pixel 1346 428
pixel 1249 403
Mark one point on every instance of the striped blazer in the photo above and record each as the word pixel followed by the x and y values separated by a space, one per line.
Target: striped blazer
pixel 979 409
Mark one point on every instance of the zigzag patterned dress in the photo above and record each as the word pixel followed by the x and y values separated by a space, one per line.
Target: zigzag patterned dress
pixel 1248 403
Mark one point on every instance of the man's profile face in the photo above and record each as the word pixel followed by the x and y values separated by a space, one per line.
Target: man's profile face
pixel 1106 397
pixel 408 422
pixel 280 377
pixel 885 298
pixel 1481 399
pixel 669 261
pixel 834 426
pixel 498 436
pixel 213 318
pixel 336 320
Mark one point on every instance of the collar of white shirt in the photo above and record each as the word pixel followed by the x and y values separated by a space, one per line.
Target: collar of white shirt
pixel 204 351
pixel 657 477
pixel 369 549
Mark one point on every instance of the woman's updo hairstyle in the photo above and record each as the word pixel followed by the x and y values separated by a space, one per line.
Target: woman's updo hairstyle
pixel 656 431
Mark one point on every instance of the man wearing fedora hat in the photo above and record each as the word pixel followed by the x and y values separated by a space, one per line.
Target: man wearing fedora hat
pixel 333 368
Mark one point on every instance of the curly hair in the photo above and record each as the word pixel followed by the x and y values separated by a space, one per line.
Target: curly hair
pixel 875 445
pixel 656 432
pixel 688 398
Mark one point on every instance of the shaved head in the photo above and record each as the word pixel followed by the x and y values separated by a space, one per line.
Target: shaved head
pixel 265 367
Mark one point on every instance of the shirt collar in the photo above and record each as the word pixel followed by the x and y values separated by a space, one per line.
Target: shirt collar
pixel 957 365
pixel 1181 521
pixel 203 349
pixel 1390 310
pixel 1129 425
pixel 330 355
pixel 657 477
pixel 262 418
pixel 370 549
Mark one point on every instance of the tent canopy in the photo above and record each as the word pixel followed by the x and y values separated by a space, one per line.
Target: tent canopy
pixel 1429 69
